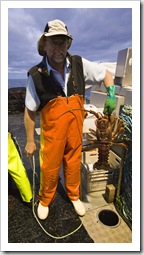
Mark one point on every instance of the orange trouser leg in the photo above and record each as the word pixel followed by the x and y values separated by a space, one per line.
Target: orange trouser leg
pixel 72 160
pixel 60 139
pixel 50 161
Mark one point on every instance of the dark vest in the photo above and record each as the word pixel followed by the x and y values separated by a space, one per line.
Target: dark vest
pixel 48 88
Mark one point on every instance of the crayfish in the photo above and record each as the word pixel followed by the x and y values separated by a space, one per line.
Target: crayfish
pixel 108 132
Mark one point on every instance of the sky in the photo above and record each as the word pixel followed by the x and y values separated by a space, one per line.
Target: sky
pixel 98 34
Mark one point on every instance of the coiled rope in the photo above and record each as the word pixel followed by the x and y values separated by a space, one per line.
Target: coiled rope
pixel 124 201
pixel 32 163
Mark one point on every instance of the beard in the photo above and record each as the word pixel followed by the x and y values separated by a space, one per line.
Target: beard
pixel 58 56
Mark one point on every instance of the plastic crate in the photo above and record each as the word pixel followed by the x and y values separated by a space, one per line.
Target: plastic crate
pixel 96 180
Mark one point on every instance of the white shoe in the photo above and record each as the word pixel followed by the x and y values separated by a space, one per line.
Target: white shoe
pixel 79 207
pixel 42 211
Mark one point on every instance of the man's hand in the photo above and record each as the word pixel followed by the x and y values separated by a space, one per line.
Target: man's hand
pixel 110 103
pixel 30 148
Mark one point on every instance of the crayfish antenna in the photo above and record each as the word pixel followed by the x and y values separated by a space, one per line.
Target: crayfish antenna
pixel 119 125
pixel 113 123
pixel 96 114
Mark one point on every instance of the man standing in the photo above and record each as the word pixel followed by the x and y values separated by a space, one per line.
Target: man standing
pixel 56 88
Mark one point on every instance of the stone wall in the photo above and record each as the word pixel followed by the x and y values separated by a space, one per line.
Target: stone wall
pixel 16 100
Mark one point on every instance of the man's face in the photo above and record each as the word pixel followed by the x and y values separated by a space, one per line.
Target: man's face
pixel 56 48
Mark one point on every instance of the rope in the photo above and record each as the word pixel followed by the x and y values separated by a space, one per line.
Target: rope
pixel 32 162
pixel 124 199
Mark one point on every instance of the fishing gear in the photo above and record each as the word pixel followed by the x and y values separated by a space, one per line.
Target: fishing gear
pixel 32 163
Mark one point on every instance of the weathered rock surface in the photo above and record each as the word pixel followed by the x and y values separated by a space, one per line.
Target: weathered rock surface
pixel 16 100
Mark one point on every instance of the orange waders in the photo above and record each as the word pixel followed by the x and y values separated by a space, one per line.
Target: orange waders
pixel 61 140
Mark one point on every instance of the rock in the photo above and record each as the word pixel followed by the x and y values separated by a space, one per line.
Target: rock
pixel 16 100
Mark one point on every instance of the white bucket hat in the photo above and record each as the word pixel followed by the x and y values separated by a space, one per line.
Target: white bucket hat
pixel 54 27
